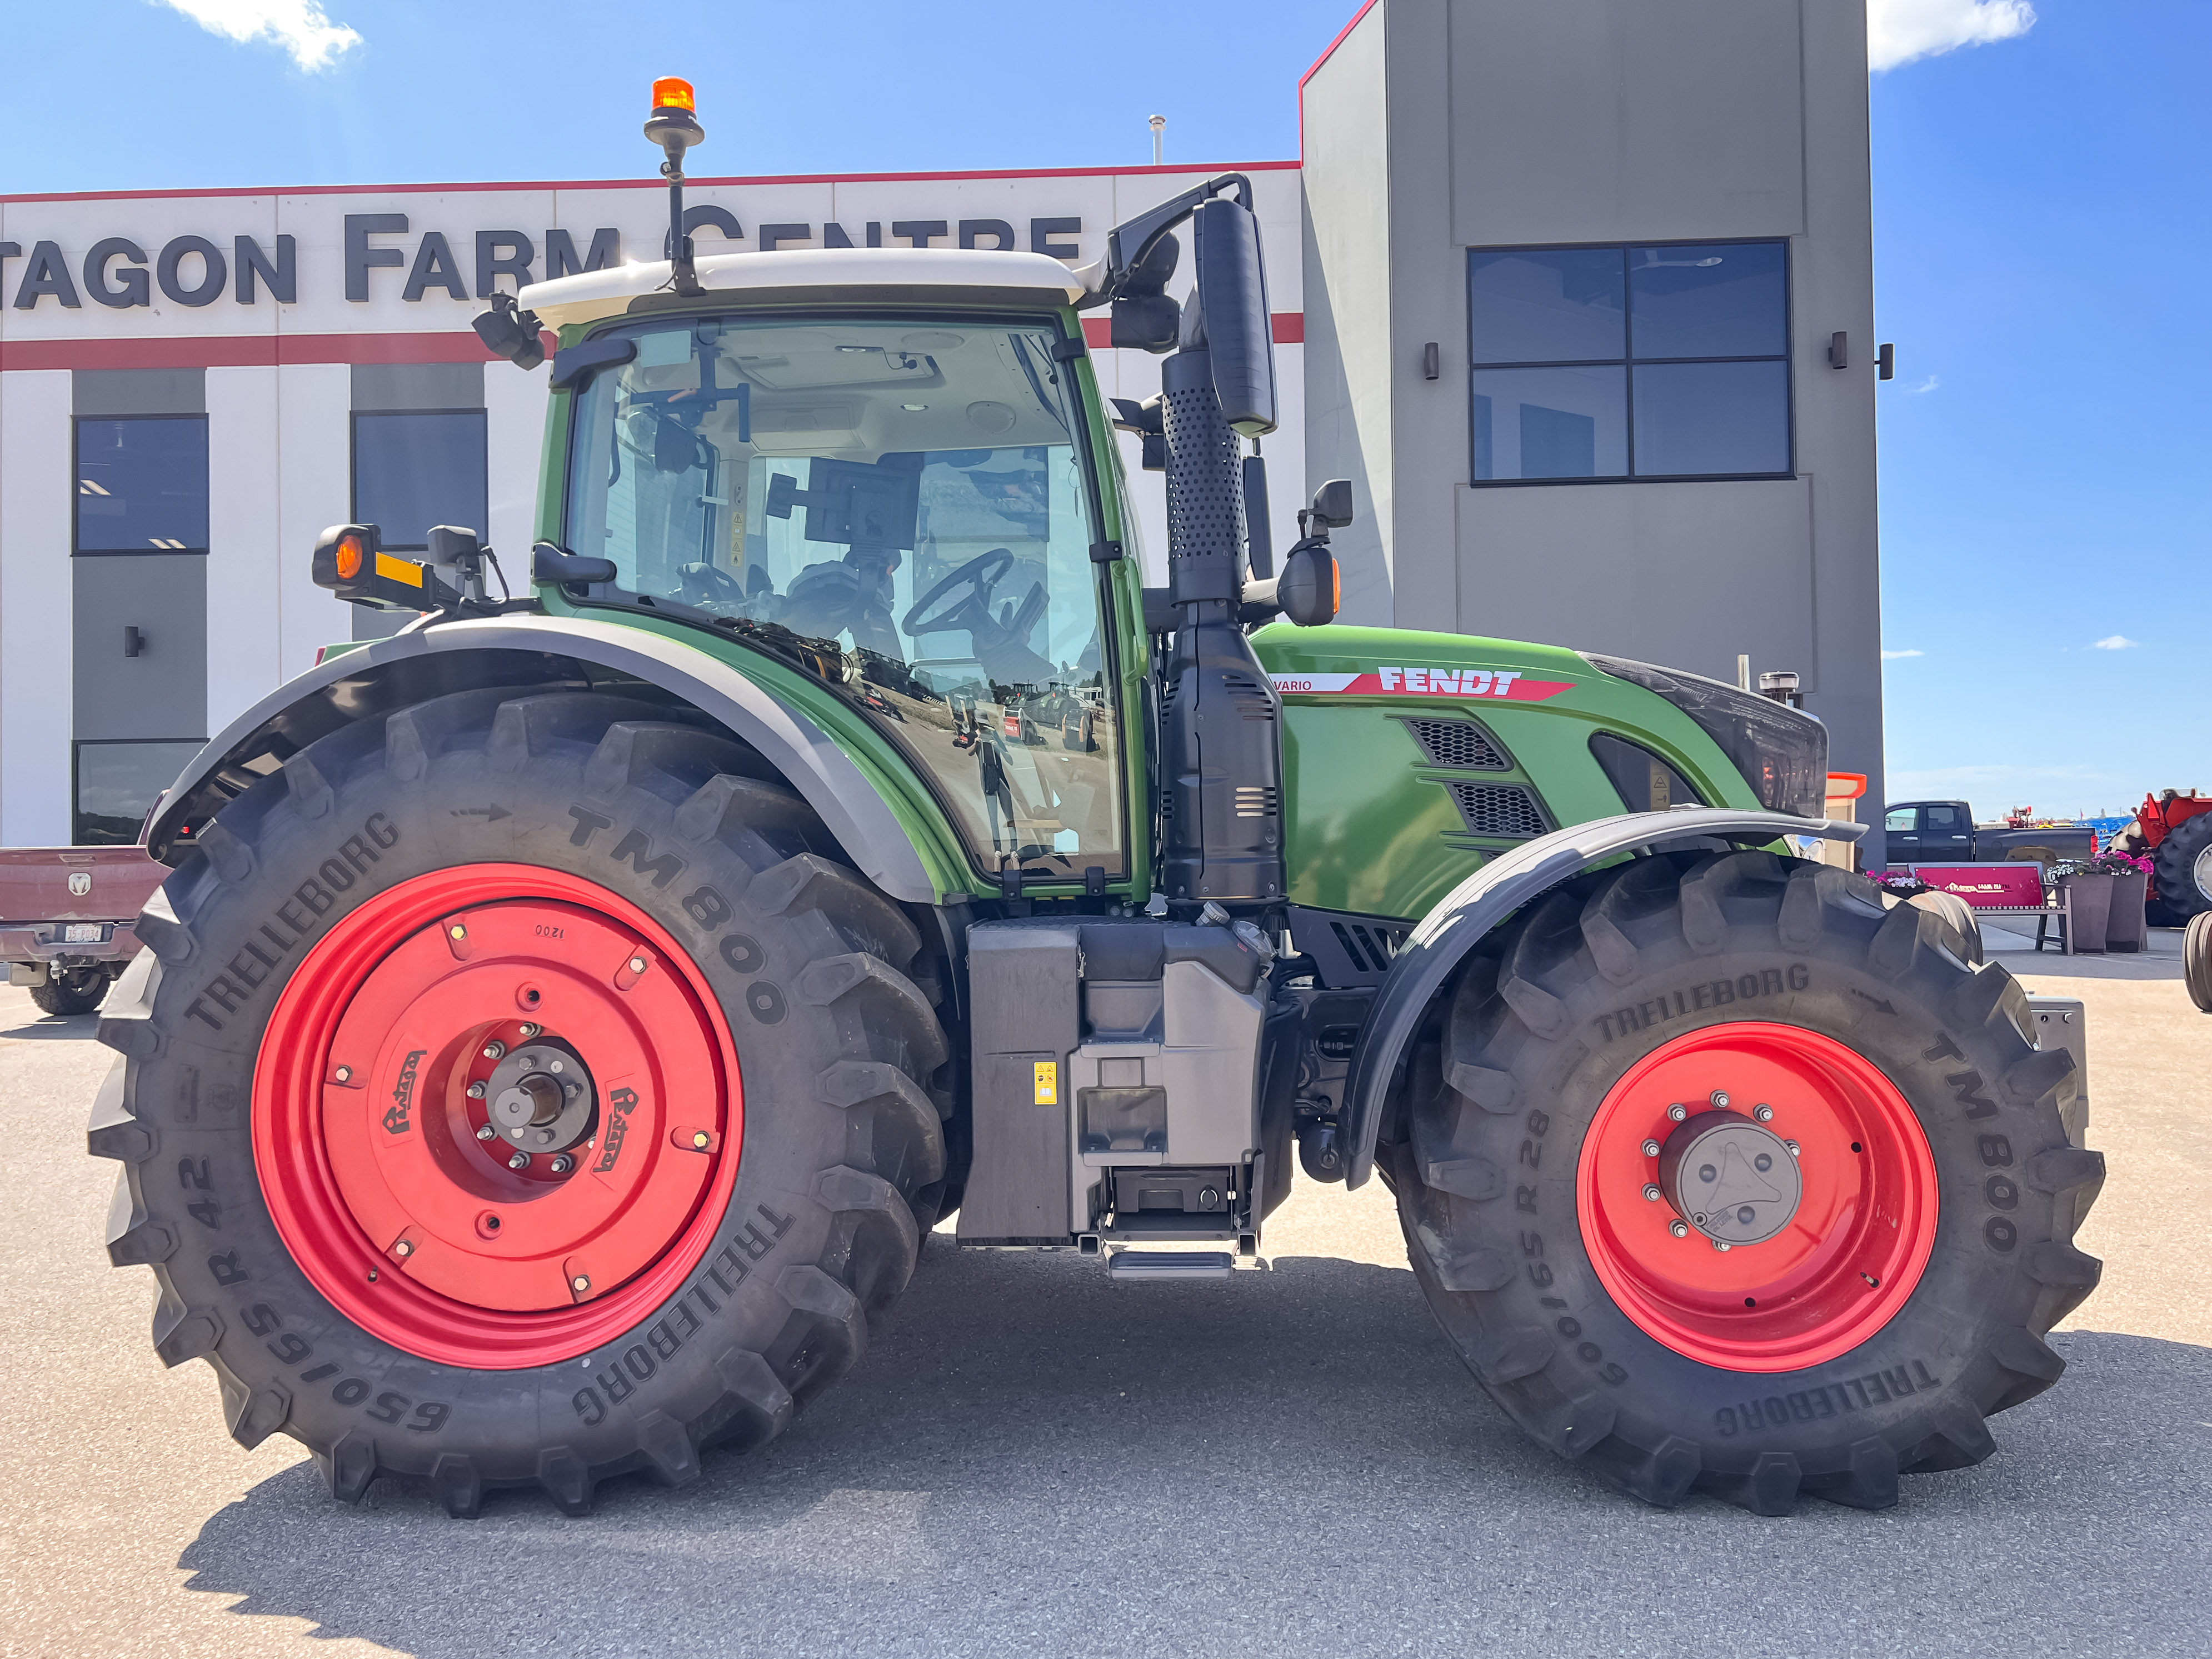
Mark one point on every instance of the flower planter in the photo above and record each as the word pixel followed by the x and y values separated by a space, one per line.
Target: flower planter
pixel 2092 900
pixel 2127 928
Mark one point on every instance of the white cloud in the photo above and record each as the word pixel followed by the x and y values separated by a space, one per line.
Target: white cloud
pixel 1928 385
pixel 2116 642
pixel 301 27
pixel 1892 656
pixel 1899 31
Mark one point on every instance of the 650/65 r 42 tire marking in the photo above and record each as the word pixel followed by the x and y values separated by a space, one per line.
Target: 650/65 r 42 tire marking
pixel 422 1219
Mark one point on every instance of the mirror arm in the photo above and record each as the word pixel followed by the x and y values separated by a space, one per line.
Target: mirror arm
pixel 1129 244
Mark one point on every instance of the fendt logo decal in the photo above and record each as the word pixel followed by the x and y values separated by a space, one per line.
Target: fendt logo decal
pixel 1507 682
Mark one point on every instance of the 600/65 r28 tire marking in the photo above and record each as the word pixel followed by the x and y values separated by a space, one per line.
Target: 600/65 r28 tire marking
pixel 366 1136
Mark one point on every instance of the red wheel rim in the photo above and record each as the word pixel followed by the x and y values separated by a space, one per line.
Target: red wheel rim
pixel 367 1141
pixel 1849 1258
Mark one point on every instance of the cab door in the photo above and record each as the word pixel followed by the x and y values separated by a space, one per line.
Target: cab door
pixel 1947 834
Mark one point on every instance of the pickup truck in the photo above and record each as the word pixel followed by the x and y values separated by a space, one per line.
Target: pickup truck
pixel 68 919
pixel 1944 832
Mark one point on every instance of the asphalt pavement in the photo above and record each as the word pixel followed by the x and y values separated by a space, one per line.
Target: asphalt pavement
pixel 1033 1461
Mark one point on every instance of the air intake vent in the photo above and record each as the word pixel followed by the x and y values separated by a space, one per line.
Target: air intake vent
pixel 1256 800
pixel 1498 809
pixel 1461 744
pixel 1249 697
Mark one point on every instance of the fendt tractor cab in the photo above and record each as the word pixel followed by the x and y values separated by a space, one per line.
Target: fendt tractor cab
pixel 567 1018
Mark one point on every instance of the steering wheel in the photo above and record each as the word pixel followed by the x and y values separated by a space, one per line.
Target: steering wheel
pixel 710 584
pixel 947 606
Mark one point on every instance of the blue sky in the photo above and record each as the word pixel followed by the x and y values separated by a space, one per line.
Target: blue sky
pixel 2040 209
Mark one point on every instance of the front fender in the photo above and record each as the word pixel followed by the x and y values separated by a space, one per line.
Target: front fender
pixel 1468 913
pixel 528 648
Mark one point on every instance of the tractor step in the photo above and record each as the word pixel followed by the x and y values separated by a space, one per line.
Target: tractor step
pixel 1136 1267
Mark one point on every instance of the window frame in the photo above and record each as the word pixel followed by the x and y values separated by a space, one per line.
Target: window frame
pixel 1133 728
pixel 1627 362
pixel 77 473
pixel 353 468
pixel 78 746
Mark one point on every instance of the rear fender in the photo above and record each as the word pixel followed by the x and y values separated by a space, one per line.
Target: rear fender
pixel 520 650
pixel 1471 910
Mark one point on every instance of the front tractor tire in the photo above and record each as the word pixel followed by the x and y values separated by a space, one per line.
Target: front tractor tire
pixel 1723 1176
pixel 520 1091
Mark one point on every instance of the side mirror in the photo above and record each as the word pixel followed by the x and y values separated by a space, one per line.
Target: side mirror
pixel 1310 587
pixel 1144 318
pixel 509 331
pixel 1233 301
pixel 1331 505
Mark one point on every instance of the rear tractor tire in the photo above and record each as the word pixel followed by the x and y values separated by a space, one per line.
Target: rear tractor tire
pixel 2181 867
pixel 1723 1176
pixel 520 1091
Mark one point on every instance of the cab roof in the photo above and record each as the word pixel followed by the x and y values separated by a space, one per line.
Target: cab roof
pixel 973 275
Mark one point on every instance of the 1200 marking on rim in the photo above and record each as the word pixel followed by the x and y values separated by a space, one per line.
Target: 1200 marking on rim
pixel 1750 1267
pixel 496 1115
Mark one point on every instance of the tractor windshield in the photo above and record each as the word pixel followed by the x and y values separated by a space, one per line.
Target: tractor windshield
pixel 909 499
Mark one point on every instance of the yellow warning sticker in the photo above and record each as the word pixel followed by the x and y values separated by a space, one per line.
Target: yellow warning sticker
pixel 1048 1083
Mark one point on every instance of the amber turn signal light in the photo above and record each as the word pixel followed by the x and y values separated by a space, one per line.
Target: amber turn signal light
pixel 352 553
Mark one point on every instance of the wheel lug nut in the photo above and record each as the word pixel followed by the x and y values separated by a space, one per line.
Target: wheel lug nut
pixel 519 1161
pixel 405 1246
pixel 477 1091
pixel 1721 1244
pixel 344 1074
pixel 563 1163
pixel 1720 1098
pixel 1651 1194
pixel 1651 1149
pixel 1680 1229
pixel 494 1050
pixel 458 931
pixel 637 964
pixel 530 1031
pixel 1763 1114
pixel 1792 1145
pixel 581 1284
pixel 487 1133
pixel 1677 1112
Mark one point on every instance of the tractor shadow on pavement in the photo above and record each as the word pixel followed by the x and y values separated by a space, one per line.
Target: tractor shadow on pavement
pixel 1033 1460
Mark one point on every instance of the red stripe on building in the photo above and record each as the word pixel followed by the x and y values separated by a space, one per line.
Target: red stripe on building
pixel 1288 328
pixel 267 350
pixel 695 182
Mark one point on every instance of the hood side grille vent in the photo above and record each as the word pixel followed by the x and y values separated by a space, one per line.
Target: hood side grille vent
pixel 1461 744
pixel 1502 810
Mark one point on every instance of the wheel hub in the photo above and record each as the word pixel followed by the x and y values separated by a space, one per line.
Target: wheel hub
pixel 496 1114
pixel 1765 1241
pixel 1728 1177
pixel 542 1097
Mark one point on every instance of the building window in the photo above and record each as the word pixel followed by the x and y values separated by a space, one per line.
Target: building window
pixel 416 468
pixel 1657 361
pixel 142 484
pixel 117 785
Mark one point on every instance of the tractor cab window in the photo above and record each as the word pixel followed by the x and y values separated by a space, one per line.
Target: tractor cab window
pixel 901 502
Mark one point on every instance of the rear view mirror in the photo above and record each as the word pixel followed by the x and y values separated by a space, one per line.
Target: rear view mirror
pixel 1144 318
pixel 1331 505
pixel 1232 300
pixel 1308 589
pixel 508 332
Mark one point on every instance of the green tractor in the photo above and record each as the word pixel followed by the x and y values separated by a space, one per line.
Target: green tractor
pixel 567 1018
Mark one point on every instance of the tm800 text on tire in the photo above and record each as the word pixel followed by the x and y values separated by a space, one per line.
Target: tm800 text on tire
pixel 520 1091
pixel 1722 1175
